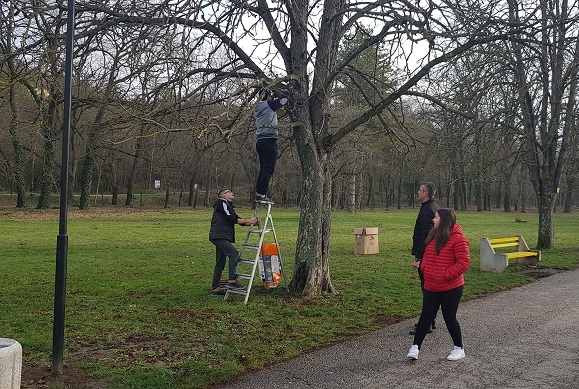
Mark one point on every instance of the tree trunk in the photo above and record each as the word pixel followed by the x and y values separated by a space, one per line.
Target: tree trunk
pixel 167 196
pixel 486 197
pixel 115 197
pixel 351 206
pixel 131 178
pixel 312 271
pixel 400 183
pixel 463 192
pixel 507 198
pixel 449 192
pixel 87 172
pixel 73 157
pixel 49 135
pixel 479 194
pixel 19 181
pixel 130 185
pixel 569 194
pixel 546 237
pixel 359 191
pixel 370 196
pixel 334 195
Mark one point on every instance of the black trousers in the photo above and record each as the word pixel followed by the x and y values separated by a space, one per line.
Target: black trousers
pixel 421 275
pixel 267 151
pixel 448 301
pixel 224 249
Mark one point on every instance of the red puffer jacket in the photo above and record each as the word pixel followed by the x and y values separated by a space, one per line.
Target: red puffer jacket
pixel 445 271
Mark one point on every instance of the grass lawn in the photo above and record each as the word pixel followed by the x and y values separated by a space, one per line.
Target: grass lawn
pixel 138 310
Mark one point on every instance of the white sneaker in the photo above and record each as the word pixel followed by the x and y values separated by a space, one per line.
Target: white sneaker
pixel 413 352
pixel 456 354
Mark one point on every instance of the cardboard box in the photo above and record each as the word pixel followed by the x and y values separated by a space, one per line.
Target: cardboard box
pixel 366 240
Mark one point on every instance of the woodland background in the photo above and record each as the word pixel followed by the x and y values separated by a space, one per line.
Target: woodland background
pixel 143 110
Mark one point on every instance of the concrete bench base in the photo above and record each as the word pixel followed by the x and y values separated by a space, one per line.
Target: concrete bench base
pixel 492 261
pixel 10 364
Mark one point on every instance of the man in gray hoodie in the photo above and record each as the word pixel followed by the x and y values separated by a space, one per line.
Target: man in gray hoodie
pixel 265 115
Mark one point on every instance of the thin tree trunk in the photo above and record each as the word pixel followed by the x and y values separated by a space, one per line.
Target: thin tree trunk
pixel 569 194
pixel 370 198
pixel 448 191
pixel 463 192
pixel 115 196
pixel 49 135
pixel 351 206
pixel 507 199
pixel 19 181
pixel 87 171
pixel 131 178
pixel 167 196
pixel 400 184
pixel 479 194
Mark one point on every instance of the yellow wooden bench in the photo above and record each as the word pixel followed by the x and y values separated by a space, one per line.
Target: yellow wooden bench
pixel 491 260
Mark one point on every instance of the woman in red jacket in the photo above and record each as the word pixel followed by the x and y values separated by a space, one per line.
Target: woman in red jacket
pixel 445 260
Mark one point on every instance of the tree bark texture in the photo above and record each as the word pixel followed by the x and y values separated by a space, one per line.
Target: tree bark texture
pixel 18 168
pixel 49 135
pixel 569 194
pixel 546 236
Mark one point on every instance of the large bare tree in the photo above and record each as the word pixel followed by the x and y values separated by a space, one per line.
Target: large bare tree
pixel 295 45
pixel 545 60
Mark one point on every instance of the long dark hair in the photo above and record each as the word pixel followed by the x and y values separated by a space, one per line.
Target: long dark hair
pixel 441 235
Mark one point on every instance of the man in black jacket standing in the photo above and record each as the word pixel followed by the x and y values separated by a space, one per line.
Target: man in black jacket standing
pixel 222 235
pixel 423 225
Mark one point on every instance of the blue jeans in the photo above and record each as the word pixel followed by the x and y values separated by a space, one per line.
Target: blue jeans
pixel 267 151
pixel 224 249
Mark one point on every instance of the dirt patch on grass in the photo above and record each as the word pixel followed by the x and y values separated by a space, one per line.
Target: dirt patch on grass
pixel 41 377
pixel 537 273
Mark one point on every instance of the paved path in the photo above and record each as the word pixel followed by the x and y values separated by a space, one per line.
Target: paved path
pixel 527 337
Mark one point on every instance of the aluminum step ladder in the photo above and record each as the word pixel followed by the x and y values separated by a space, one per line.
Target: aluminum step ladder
pixel 251 249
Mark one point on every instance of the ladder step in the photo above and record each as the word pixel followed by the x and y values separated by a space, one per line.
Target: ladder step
pixel 250 246
pixel 244 276
pixel 248 261
pixel 261 231
pixel 238 291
